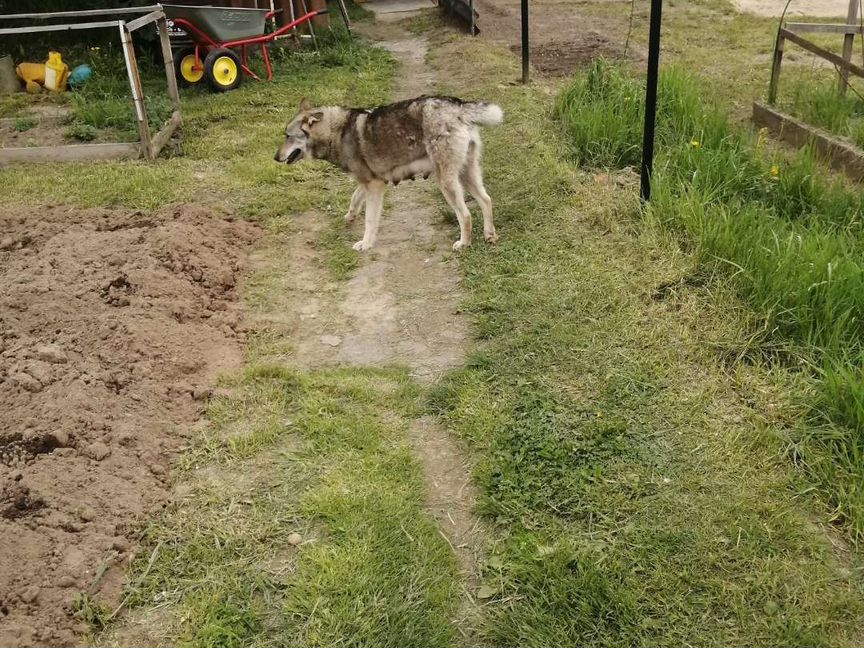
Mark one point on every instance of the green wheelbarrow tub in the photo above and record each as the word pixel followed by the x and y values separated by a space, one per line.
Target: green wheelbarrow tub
pixel 222 24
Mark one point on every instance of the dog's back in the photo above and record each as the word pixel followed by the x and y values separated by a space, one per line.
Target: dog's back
pixel 398 141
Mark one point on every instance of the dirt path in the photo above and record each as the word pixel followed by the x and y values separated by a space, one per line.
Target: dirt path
pixel 773 8
pixel 400 307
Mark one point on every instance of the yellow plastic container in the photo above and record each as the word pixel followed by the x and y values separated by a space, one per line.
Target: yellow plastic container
pixel 33 75
pixel 56 72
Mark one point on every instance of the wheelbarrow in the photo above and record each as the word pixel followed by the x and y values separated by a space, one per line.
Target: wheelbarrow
pixel 214 34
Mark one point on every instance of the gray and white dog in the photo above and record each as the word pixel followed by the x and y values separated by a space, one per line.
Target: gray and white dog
pixel 422 136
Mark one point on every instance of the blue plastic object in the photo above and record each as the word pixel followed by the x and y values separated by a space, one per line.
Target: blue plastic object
pixel 79 75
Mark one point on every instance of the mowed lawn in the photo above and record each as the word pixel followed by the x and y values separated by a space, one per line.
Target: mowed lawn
pixel 630 440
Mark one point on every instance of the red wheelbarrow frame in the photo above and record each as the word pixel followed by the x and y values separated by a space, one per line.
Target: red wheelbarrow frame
pixel 202 39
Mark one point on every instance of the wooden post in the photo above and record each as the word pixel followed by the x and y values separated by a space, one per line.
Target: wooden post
pixel 168 57
pixel 137 92
pixel 284 18
pixel 848 45
pixel 775 69
pixel 322 21
pixel 301 8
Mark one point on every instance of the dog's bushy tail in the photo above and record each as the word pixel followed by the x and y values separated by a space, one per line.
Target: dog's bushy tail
pixel 482 113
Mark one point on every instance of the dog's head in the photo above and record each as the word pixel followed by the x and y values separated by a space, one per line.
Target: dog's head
pixel 297 134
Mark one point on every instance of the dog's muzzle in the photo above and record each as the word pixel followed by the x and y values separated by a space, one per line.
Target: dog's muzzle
pixel 295 155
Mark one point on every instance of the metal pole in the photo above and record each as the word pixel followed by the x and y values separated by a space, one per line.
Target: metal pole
pixel 471 11
pixel 651 99
pixel 524 41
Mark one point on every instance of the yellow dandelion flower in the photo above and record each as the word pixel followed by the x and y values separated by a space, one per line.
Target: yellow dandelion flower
pixel 695 143
pixel 775 171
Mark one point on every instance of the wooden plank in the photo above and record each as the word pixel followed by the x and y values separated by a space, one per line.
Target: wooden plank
pixel 80 14
pixel 70 153
pixel 823 28
pixel 137 92
pixel 168 60
pixel 56 28
pixel 819 51
pixel 848 44
pixel 161 138
pixel 153 16
pixel 839 153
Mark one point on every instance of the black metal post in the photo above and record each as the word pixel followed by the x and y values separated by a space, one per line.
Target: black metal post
pixel 651 99
pixel 524 41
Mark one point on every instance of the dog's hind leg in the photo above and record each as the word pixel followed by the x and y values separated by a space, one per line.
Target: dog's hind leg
pixel 374 192
pixel 357 200
pixel 472 176
pixel 448 152
pixel 455 197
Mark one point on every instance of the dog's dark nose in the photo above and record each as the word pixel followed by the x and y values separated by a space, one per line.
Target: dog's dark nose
pixel 276 157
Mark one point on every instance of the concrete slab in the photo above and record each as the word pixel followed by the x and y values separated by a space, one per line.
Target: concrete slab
pixel 380 7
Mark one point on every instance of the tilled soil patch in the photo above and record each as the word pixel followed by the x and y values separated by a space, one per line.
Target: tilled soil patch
pixel 113 327
pixel 563 58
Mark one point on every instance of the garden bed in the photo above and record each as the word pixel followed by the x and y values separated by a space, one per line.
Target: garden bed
pixel 114 325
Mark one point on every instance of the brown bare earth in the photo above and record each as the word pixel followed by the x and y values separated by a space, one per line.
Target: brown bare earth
pixel 113 327
pixel 562 40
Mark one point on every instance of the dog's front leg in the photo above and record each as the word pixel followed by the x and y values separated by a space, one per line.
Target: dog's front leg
pixel 357 199
pixel 374 192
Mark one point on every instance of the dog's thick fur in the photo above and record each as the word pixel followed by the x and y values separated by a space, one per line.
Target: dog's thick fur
pixel 377 146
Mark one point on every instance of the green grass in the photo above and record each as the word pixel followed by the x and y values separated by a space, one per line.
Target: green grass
pixel 228 144
pixel 82 132
pixel 341 260
pixel 23 124
pixel 636 481
pixel 628 428
pixel 103 103
pixel 324 455
pixel 788 233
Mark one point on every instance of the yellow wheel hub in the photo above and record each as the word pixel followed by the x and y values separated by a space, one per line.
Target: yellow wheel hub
pixel 188 70
pixel 225 70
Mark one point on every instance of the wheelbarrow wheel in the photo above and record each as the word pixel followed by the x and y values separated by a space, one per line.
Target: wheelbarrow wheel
pixel 184 61
pixel 222 69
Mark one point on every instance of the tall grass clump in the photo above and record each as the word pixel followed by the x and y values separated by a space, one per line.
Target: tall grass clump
pixel 789 235
pixel 817 102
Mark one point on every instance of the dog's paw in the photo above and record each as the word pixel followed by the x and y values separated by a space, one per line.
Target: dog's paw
pixel 491 237
pixel 349 217
pixel 362 246
pixel 458 245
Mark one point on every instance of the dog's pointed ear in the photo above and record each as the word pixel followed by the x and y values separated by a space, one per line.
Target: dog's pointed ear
pixel 305 105
pixel 315 117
